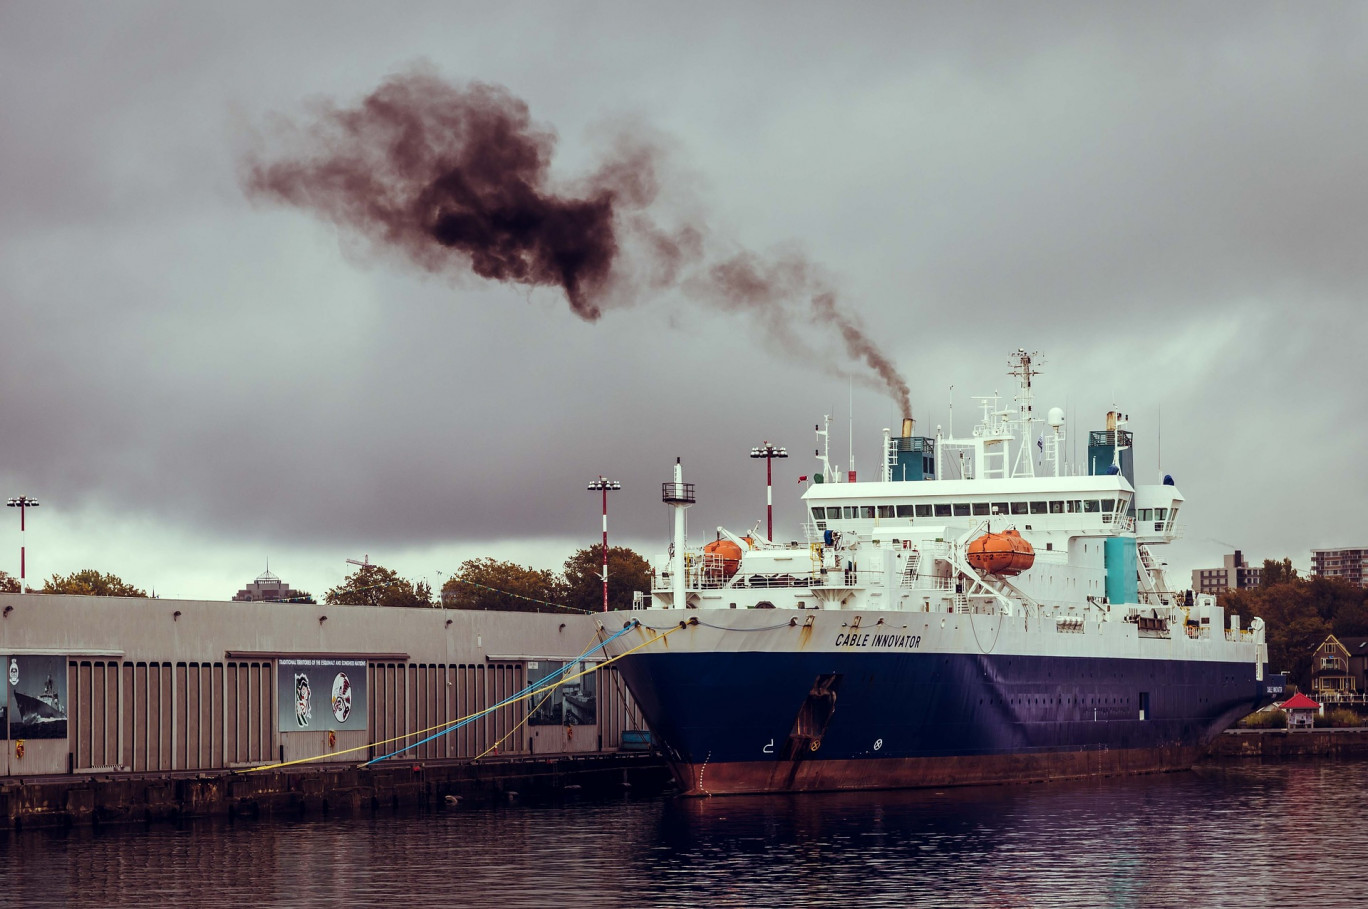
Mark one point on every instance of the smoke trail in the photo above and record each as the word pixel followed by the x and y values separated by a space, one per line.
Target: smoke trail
pixel 858 345
pixel 457 179
pixel 438 174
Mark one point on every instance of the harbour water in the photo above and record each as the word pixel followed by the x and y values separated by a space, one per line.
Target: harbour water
pixel 1246 835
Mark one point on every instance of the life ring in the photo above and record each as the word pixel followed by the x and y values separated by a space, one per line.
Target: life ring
pixel 332 739
pixel 19 748
pixel 569 733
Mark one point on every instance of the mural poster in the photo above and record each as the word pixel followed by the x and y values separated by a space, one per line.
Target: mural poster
pixel 36 707
pixel 571 704
pixel 321 694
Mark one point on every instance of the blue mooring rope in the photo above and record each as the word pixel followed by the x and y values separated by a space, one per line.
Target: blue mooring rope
pixel 512 697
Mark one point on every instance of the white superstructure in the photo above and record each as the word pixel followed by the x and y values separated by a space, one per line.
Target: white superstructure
pixel 902 542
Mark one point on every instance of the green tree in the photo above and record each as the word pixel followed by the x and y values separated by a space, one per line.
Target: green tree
pixel 490 584
pixel 7 583
pixel 89 582
pixel 1275 573
pixel 627 571
pixel 374 585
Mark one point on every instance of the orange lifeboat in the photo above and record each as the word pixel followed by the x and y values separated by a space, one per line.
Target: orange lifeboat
pixel 1003 553
pixel 721 558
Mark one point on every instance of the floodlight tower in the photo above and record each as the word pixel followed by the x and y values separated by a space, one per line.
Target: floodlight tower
pixel 769 453
pixel 23 503
pixel 603 485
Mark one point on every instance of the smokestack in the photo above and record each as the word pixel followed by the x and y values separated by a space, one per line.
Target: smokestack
pixel 907 427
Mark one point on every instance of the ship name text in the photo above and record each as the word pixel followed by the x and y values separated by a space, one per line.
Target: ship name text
pixel 870 639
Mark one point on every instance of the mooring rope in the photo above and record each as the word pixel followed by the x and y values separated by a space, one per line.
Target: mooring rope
pixel 530 691
pixel 521 723
pixel 445 728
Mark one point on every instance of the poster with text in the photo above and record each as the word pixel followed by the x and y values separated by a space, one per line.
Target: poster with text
pixel 37 704
pixel 571 704
pixel 321 694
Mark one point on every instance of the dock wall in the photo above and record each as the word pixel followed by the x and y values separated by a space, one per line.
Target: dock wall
pixel 320 790
pixel 1284 745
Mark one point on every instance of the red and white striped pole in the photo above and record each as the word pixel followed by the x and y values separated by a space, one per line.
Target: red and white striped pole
pixel 22 503
pixel 604 485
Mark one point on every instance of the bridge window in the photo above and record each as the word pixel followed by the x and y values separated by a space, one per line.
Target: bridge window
pixel 1020 508
pixel 1146 514
pixel 982 508
pixel 1108 505
pixel 923 511
pixel 1039 508
pixel 848 512
pixel 961 509
pixel 1057 507
pixel 942 511
pixel 867 511
pixel 904 511
pixel 1090 506
pixel 885 511
pixel 1002 508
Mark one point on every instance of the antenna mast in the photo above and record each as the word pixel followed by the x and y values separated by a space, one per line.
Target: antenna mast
pixel 1023 366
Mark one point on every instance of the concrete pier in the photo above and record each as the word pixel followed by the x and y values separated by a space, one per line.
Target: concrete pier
pixel 1284 745
pixel 319 791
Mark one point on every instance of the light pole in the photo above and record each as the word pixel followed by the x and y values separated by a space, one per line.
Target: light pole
pixel 23 503
pixel 603 485
pixel 769 453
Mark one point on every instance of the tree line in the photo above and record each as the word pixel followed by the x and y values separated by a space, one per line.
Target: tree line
pixel 483 583
pixel 488 583
pixel 1300 614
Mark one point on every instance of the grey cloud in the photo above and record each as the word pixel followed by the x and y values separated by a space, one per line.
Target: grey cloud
pixel 1165 200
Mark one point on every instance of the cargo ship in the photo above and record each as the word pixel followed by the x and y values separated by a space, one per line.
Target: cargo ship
pixel 980 611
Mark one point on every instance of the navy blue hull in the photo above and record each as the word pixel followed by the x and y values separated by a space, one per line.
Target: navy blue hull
pixel 893 719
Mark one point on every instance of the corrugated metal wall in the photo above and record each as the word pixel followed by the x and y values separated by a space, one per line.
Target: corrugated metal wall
pixel 148 716
pixel 411 701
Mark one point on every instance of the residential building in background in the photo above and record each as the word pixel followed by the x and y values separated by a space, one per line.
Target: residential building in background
pixel 1331 678
pixel 1234 575
pixel 1357 648
pixel 267 588
pixel 1346 564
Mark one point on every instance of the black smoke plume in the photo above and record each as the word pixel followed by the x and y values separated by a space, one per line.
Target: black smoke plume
pixel 457 179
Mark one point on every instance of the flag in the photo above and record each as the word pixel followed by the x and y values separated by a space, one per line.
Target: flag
pixel 1040 442
pixel 802 479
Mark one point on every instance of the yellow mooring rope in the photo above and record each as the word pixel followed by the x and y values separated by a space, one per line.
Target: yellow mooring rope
pixel 465 719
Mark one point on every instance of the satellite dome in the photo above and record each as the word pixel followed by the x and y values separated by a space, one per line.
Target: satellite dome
pixel 1056 417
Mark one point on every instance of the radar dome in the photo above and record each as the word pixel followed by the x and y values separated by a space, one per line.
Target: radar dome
pixel 1056 417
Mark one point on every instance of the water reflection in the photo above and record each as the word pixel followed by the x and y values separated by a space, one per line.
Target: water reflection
pixel 1214 837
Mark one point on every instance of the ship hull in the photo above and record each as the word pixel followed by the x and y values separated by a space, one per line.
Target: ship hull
pixel 819 775
pixel 749 722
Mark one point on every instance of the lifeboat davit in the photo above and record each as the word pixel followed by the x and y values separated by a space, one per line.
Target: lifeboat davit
pixel 1003 553
pixel 721 557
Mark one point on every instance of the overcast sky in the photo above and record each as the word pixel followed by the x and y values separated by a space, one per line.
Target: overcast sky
pixel 1168 202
